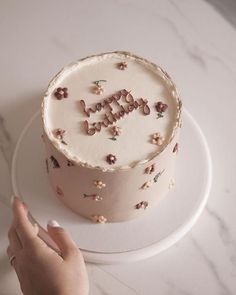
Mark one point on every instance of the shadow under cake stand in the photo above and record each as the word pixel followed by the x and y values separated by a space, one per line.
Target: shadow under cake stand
pixel 158 229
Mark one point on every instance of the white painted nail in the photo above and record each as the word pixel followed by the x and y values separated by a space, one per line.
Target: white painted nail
pixel 53 223
pixel 12 199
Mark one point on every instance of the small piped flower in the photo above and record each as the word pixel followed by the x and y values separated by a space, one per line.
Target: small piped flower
pixel 94 197
pixel 147 184
pixel 111 159
pixel 97 198
pixel 99 184
pixel 98 88
pixel 176 148
pixel 142 205
pixel 157 139
pixel 59 191
pixel 150 169
pixel 161 107
pixel 122 65
pixel 171 184
pixel 115 131
pixel 70 163
pixel 98 219
pixel 61 93
pixel 59 133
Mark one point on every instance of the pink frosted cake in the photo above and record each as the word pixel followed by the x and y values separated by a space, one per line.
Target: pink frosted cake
pixel 111 126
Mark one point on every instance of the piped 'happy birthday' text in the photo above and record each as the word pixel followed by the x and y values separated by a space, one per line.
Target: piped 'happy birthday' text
pixel 110 117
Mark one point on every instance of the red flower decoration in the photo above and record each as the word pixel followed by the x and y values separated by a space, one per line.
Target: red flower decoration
pixel 59 133
pixel 142 205
pixel 111 159
pixel 150 169
pixel 70 163
pixel 122 65
pixel 61 93
pixel 161 107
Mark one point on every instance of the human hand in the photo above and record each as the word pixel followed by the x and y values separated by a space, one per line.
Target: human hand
pixel 41 270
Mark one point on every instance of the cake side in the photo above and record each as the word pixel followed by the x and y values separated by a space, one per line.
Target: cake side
pixel 112 196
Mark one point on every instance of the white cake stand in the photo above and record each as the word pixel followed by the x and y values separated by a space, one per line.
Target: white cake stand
pixel 118 242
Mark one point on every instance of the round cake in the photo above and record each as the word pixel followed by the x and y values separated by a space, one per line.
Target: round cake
pixel 111 126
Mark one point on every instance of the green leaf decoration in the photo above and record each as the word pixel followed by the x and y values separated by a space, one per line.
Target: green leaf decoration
pixel 88 196
pixel 98 81
pixel 155 179
pixel 160 115
pixel 113 138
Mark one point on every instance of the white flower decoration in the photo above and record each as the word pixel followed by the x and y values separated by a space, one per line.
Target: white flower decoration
pixel 98 219
pixel 99 184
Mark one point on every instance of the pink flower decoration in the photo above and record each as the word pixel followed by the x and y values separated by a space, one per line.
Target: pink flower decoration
pixel 142 205
pixel 59 133
pixel 150 169
pixel 111 159
pixel 161 107
pixel 122 65
pixel 115 131
pixel 157 139
pixel 98 89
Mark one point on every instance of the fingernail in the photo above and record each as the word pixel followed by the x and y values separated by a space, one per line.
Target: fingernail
pixel 12 199
pixel 53 223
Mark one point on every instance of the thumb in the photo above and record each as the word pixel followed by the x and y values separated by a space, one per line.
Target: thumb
pixel 63 240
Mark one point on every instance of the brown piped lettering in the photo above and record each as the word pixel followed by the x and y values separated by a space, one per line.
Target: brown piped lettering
pixel 110 117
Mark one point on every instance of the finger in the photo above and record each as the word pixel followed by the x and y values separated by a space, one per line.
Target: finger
pixel 9 251
pixel 14 240
pixel 10 254
pixel 63 240
pixel 25 230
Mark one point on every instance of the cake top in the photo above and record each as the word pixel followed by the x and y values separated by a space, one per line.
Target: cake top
pixel 111 111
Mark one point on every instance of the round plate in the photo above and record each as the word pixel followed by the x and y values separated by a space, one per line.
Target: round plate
pixel 137 239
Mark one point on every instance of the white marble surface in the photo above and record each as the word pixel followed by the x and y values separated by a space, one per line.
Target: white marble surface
pixel 197 47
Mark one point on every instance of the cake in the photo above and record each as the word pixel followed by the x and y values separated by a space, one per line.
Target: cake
pixel 111 128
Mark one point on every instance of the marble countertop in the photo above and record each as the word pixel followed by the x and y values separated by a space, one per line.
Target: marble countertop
pixel 196 45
